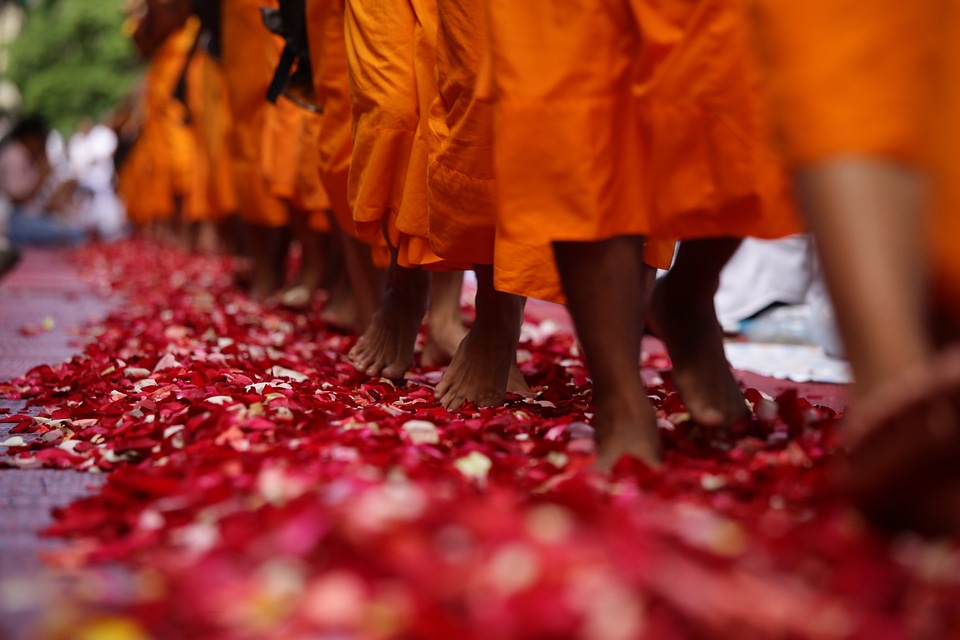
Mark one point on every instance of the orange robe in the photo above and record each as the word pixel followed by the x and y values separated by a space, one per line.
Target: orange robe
pixel 873 78
pixel 334 145
pixel 390 51
pixel 631 117
pixel 311 196
pixel 132 181
pixel 291 162
pixel 217 127
pixel 166 146
pixel 212 196
pixel 130 176
pixel 462 186
pixel 250 54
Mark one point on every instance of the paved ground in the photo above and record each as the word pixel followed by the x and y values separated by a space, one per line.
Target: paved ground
pixel 45 287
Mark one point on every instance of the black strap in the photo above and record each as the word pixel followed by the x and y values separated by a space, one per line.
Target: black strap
pixel 287 59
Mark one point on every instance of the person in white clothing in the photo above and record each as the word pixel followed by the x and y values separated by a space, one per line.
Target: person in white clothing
pixel 90 154
pixel 766 273
pixel 42 197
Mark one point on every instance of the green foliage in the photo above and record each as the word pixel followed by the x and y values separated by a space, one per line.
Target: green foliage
pixel 71 60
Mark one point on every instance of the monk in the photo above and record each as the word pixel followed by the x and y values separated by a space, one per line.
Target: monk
pixel 291 169
pixel 867 98
pixel 463 216
pixel 391 92
pixel 462 211
pixel 619 122
pixel 291 155
pixel 363 261
pixel 250 54
pixel 166 148
pixel 213 200
pixel 132 168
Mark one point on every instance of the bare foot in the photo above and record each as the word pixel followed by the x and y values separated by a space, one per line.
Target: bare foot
pixel 268 253
pixel 341 312
pixel 904 442
pixel 300 293
pixel 263 284
pixel 386 347
pixel 628 428
pixel 297 297
pixel 366 282
pixel 207 240
pixel 480 369
pixel 445 328
pixel 694 340
pixel 443 338
pixel 516 383
pixel 308 282
pixel 243 274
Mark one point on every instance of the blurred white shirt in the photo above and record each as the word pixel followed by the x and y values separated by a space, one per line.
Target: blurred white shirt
pixel 91 157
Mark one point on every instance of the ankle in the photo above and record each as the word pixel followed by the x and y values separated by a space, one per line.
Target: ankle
pixel 502 309
pixel 624 394
pixel 613 410
pixel 686 288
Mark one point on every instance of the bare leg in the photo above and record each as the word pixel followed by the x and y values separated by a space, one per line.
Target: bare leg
pixel 340 310
pixel 268 248
pixel 181 236
pixel 230 230
pixel 386 347
pixel 608 320
pixel 482 364
pixel 366 282
pixel 649 278
pixel 162 232
pixel 445 327
pixel 314 247
pixel 682 313
pixel 207 241
pixel 865 215
pixel 903 427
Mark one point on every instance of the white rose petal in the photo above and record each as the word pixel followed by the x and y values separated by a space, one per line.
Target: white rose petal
pixel 474 465
pixel 421 432
pixel 283 372
pixel 168 361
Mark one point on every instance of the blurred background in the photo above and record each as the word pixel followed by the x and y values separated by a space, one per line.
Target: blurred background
pixel 70 60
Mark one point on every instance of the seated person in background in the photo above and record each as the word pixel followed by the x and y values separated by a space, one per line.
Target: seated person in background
pixel 42 199
pixel 90 153
pixel 764 274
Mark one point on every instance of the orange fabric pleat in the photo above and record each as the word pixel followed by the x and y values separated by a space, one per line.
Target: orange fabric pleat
pixel 250 54
pixel 631 117
pixel 328 54
pixel 166 146
pixel 391 51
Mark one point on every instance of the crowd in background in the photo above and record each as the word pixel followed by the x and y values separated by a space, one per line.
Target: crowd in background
pixel 54 192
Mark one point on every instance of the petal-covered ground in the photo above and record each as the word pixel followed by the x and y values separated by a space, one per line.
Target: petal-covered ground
pixel 260 487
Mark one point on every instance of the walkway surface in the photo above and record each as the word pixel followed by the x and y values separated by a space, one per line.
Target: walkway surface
pixel 42 305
